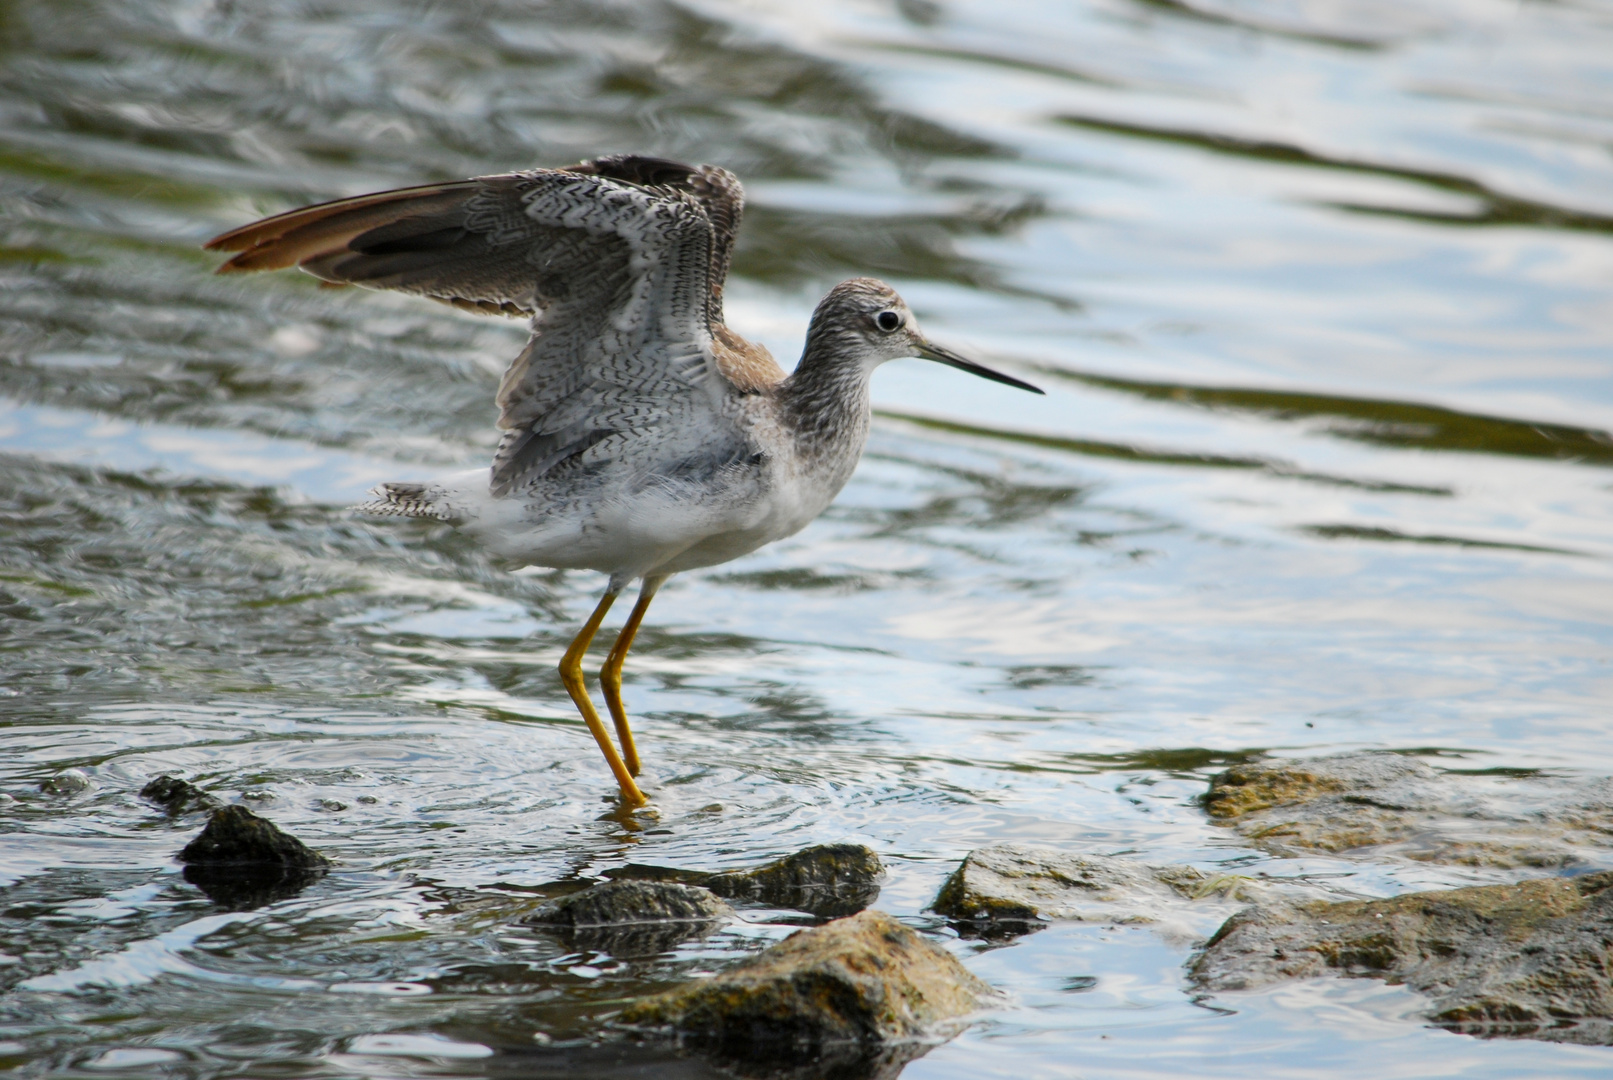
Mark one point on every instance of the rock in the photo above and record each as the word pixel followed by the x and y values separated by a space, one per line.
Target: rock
pixel 616 902
pixel 632 918
pixel 178 796
pixel 235 834
pixel 860 987
pixel 67 783
pixel 1009 888
pixel 243 861
pixel 1526 960
pixel 1405 808
pixel 828 880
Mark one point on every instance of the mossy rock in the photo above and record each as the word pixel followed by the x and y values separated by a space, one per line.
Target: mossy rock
pixel 864 980
pixel 1526 960
pixel 632 918
pixel 1011 888
pixel 1402 807
pixel 828 880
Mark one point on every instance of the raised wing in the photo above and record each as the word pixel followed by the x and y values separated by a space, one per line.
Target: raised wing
pixel 620 262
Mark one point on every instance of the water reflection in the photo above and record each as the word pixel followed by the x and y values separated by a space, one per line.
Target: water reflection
pixel 1320 290
pixel 1489 207
pixel 1387 423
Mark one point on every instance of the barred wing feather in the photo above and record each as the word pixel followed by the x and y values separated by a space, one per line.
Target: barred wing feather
pixel 619 263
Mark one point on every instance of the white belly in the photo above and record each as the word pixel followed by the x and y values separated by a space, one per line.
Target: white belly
pixel 664 527
pixel 661 529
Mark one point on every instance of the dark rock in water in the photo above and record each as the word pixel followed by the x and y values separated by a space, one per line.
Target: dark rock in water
pixel 1009 888
pixel 235 834
pixel 1404 807
pixel 243 861
pixel 1530 960
pixel 866 991
pixel 828 880
pixel 633 918
pixel 178 796
pixel 632 901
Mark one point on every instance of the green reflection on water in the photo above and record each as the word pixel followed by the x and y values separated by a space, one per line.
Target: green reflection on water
pixel 1385 423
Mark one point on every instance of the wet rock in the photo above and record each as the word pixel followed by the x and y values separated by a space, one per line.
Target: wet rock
pixel 236 835
pixel 1526 960
pixel 1010 888
pixel 178 796
pixel 865 989
pixel 1403 807
pixel 67 783
pixel 632 918
pixel 827 880
pixel 243 861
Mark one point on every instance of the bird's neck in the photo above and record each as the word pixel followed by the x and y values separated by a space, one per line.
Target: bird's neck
pixel 825 404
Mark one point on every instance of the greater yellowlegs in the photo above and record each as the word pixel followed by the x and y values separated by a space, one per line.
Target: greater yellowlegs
pixel 641 436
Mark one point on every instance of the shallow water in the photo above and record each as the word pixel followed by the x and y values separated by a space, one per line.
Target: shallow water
pixel 1319 292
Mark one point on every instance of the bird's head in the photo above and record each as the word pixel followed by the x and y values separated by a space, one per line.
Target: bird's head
pixel 866 319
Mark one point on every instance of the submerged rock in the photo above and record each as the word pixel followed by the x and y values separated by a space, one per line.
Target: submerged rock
pixel 865 988
pixel 67 783
pixel 828 880
pixel 1009 888
pixel 1531 960
pixel 632 918
pixel 243 861
pixel 1388 801
pixel 178 796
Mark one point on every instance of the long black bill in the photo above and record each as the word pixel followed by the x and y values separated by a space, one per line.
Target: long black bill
pixel 952 359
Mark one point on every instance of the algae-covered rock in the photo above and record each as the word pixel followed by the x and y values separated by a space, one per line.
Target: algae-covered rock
pixel 1531 960
pixel 632 918
pixel 1009 888
pixel 862 982
pixel 828 880
pixel 1403 807
pixel 178 796
pixel 243 861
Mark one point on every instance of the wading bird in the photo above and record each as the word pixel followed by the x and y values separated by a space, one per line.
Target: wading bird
pixel 642 437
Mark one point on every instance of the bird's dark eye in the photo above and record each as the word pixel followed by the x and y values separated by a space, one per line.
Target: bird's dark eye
pixel 888 321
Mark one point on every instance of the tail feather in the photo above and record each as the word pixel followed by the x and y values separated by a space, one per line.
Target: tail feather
pixel 409 500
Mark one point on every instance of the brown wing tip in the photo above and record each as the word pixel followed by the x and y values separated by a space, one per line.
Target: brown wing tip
pixel 259 257
pixel 245 237
pixel 265 233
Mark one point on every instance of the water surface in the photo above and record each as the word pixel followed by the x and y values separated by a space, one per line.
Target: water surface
pixel 1320 294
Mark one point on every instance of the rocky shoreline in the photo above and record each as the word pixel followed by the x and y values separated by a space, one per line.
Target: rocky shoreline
pixel 861 993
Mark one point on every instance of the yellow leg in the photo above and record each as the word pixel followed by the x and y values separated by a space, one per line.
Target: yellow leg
pixel 610 676
pixel 571 676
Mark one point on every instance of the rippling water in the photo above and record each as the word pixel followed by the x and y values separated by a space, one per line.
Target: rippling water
pixel 1320 292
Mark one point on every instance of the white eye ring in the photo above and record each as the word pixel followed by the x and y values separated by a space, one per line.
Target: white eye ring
pixel 888 321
